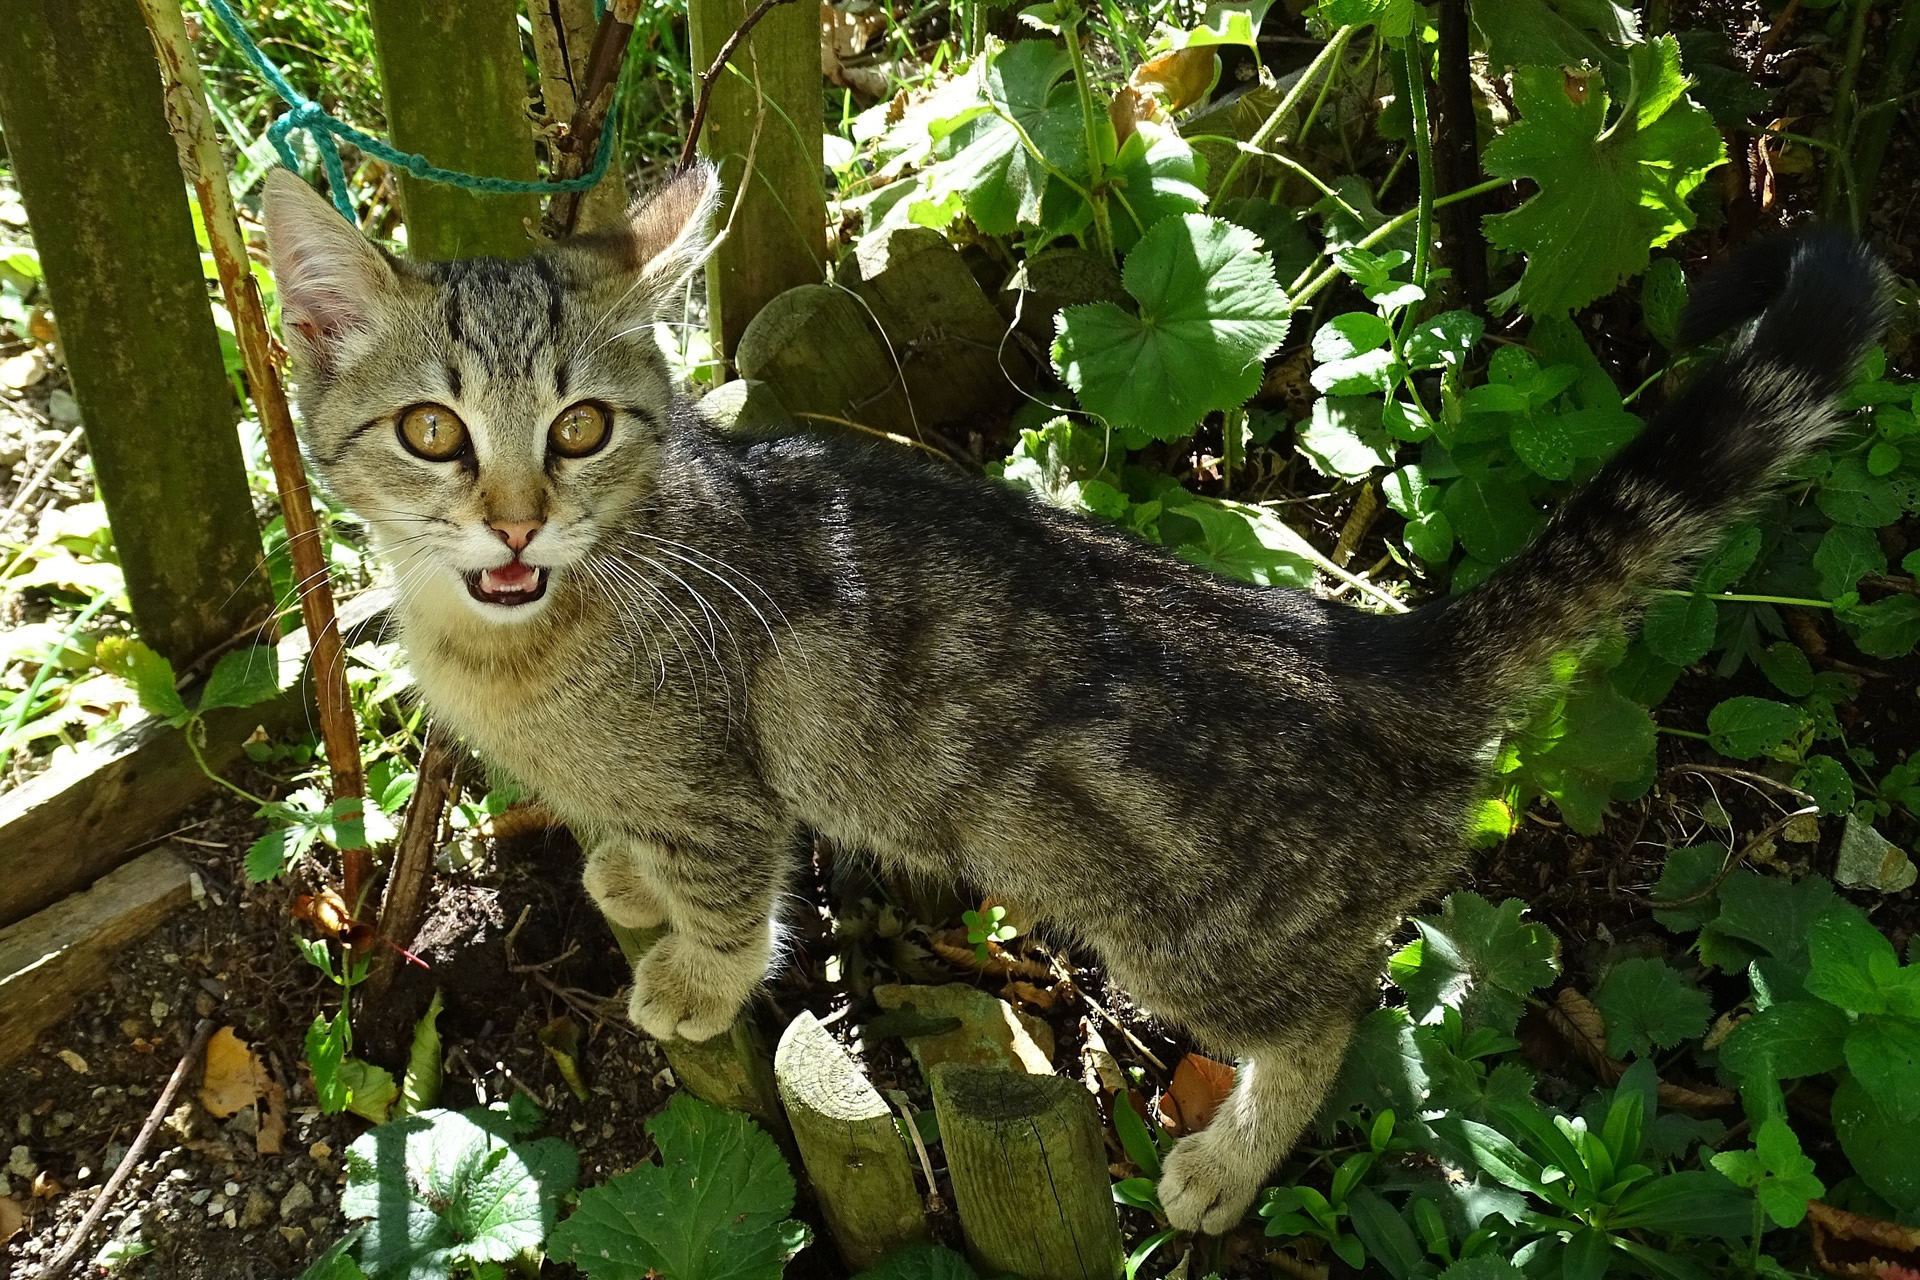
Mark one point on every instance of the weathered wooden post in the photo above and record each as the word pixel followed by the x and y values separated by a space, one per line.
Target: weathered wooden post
pixel 777 216
pixel 563 32
pixel 1029 1173
pixel 455 91
pixel 87 135
pixel 855 1157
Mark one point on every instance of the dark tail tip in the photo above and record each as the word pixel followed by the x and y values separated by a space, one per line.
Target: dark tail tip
pixel 1818 296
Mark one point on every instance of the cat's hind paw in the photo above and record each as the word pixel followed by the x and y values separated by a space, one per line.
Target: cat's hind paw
pixel 683 990
pixel 613 880
pixel 1208 1186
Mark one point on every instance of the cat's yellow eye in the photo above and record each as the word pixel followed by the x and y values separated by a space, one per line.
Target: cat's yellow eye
pixel 433 432
pixel 580 430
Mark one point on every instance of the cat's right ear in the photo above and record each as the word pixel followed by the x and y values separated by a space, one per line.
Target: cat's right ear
pixel 329 277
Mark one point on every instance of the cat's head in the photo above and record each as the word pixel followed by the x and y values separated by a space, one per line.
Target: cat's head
pixel 490 421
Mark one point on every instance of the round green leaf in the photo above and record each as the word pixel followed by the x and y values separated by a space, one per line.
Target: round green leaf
pixel 1746 727
pixel 1680 629
pixel 1492 516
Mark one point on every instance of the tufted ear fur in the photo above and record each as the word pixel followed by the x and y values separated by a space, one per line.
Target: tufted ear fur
pixel 331 279
pixel 671 230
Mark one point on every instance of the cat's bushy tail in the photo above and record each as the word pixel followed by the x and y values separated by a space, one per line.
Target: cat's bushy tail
pixel 1807 308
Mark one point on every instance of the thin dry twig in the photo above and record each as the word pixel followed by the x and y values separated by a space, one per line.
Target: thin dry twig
pixel 39 477
pixel 1733 860
pixel 162 1105
pixel 582 141
pixel 412 870
pixel 711 75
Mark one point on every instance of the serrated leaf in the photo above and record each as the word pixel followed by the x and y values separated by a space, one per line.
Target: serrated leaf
pixel 243 678
pixel 1477 958
pixel 1553 33
pixel 1344 439
pixel 714 1208
pixel 1852 962
pixel 1886 628
pixel 1883 1052
pixel 149 675
pixel 921 1262
pixel 1663 296
pixel 1346 336
pixel 442 1189
pixel 1157 175
pixel 1649 1004
pixel 1786 1041
pixel 1746 727
pixel 983 159
pixel 1445 340
pixel 1210 313
pixel 1241 541
pixel 1852 495
pixel 1392 18
pixel 1608 189
pixel 1492 515
pixel 1772 912
pixel 1826 780
pixel 1846 554
pixel 1680 629
pixel 1597 738
pixel 1687 873
pixel 1879 1145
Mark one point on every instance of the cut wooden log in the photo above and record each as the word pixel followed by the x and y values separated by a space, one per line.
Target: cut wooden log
pixel 943 330
pixel 1029 1173
pixel 992 1033
pixel 854 1154
pixel 50 960
pixel 731 1070
pixel 816 348
pixel 745 407
pixel 62 830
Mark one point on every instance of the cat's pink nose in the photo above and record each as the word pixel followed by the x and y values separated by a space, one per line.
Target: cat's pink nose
pixel 516 533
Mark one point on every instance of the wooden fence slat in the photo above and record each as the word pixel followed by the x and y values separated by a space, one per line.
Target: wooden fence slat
pixel 455 90
pixel 87 137
pixel 777 237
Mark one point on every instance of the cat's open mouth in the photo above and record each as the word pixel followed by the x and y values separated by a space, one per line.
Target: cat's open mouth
pixel 511 584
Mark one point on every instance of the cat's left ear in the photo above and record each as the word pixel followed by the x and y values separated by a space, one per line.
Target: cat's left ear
pixel 669 232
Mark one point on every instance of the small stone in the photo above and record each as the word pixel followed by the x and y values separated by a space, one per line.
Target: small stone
pixel 297 1200
pixel 1804 829
pixel 320 1151
pixel 258 1210
pixel 159 1010
pixel 293 1235
pixel 200 1197
pixel 245 1122
pixel 216 1206
pixel 6 1186
pixel 197 887
pixel 74 1060
pixel 62 1120
pixel 23 1125
pixel 230 1218
pixel 232 1188
pixel 203 1005
pixel 63 408
pixel 20 1162
pixel 1868 860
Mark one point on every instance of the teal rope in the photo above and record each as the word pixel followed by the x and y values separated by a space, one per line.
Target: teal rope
pixel 305 114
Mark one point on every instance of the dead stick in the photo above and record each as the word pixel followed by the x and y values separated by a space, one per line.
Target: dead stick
pixel 192 126
pixel 162 1105
pixel 590 108
pixel 711 75
pixel 412 869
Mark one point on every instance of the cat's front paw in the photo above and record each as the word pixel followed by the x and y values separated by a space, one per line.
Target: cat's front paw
pixel 683 990
pixel 1208 1185
pixel 613 880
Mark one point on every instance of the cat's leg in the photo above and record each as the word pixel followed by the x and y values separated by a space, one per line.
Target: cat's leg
pixel 615 878
pixel 719 944
pixel 1211 1177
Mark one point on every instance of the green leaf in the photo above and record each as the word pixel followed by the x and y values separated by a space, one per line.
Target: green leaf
pixel 420 1087
pixel 1210 313
pixel 1649 1004
pixel 1349 335
pixel 1886 628
pixel 1157 175
pixel 1852 962
pixel 326 1048
pixel 1774 913
pixel 1477 958
pixel 1596 739
pixel 1484 1266
pixel 1597 432
pixel 1746 727
pixel 1879 1144
pixel 1134 1138
pixel 1826 780
pixel 1663 296
pixel 1787 1040
pixel 1493 1153
pixel 1444 341
pixel 1852 495
pixel 1344 439
pixel 921 1262
pixel 276 850
pixel 1241 541
pixel 983 158
pixel 443 1189
pixel 714 1208
pixel 1883 1052
pixel 1544 445
pixel 1729 561
pixel 1786 665
pixel 370 1089
pixel 1778 1171
pixel 1680 629
pixel 1552 33
pixel 1391 18
pixel 1608 190
pixel 337 1262
pixel 1385 1234
pixel 1698 1202
pixel 1847 553
pixel 1492 515
pixel 243 678
pixel 1687 873
pixel 149 674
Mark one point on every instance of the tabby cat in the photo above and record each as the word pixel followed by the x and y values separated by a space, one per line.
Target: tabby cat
pixel 695 648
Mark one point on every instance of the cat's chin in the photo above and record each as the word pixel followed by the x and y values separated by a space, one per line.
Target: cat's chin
pixel 519 592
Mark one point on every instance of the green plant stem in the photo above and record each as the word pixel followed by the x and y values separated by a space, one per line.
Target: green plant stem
pixel 1306 285
pixel 1744 599
pixel 1264 135
pixel 1423 153
pixel 45 673
pixel 186 731
pixel 1874 128
pixel 1287 162
pixel 1840 128
pixel 1682 733
pixel 1102 225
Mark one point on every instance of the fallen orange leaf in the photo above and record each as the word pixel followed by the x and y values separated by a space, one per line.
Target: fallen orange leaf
pixel 233 1075
pixel 12 1218
pixel 1199 1086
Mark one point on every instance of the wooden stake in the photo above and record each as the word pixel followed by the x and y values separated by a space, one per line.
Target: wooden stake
pixel 1029 1173
pixel 200 160
pixel 405 902
pixel 854 1155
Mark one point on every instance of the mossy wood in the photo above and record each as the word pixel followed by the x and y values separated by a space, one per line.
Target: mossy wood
pixel 767 104
pixel 816 348
pixel 562 38
pixel 87 137
pixel 1029 1173
pixel 731 1070
pixel 63 829
pixel 455 91
pixel 855 1157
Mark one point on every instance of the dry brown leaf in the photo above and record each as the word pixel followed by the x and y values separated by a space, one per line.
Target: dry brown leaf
pixel 1199 1086
pixel 233 1075
pixel 1848 1244
pixel 12 1218
pixel 952 946
pixel 46 1186
pixel 1129 107
pixel 1027 993
pixel 1583 1026
pixel 1178 78
pixel 267 1139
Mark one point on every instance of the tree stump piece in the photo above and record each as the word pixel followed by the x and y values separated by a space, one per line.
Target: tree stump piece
pixel 1029 1173
pixel 854 1154
pixel 814 346
pixel 747 408
pixel 992 1033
